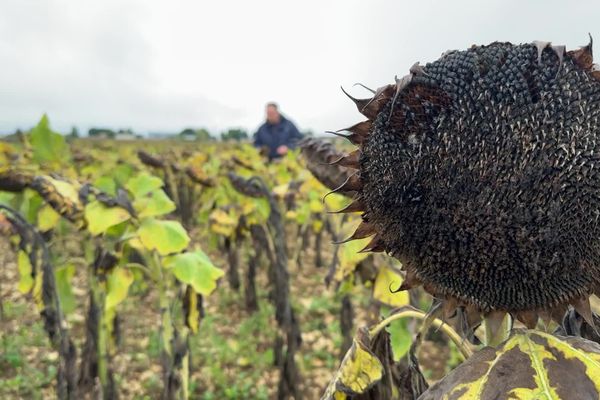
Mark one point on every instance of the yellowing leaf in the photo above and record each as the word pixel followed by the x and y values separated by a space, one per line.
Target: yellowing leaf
pixel 291 214
pixel 360 369
pixel 195 269
pixel 166 237
pixel 118 282
pixel 100 217
pixel 541 366
pixel 221 217
pixel 247 207
pixel 256 210
pixel 280 190
pixel 222 223
pixel 153 204
pixel 25 279
pixel 65 189
pixel 388 278
pixel 142 184
pixel 198 160
pixel 47 218
pixel 136 243
pixel 222 230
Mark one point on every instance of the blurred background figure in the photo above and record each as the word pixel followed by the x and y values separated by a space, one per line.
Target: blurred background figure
pixel 277 134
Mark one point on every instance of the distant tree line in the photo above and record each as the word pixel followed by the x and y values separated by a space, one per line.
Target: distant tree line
pixel 234 134
pixel 201 134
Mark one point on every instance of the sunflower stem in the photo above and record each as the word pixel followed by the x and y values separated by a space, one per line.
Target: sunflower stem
pixel 410 312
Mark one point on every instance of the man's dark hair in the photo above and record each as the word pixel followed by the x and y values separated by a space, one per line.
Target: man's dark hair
pixel 273 104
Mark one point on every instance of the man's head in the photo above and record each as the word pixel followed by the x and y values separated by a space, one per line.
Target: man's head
pixel 272 111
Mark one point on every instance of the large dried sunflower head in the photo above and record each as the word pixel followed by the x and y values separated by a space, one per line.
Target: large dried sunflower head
pixel 481 173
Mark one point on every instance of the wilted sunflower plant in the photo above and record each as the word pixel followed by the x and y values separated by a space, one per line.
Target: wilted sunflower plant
pixel 479 173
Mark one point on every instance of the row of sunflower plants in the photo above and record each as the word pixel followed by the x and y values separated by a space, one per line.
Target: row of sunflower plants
pixel 124 236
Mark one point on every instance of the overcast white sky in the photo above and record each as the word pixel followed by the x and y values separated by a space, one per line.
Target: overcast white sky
pixel 165 65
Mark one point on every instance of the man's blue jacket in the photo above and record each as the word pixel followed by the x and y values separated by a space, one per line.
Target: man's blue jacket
pixel 275 135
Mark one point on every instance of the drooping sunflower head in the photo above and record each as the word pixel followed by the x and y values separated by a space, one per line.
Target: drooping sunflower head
pixel 480 172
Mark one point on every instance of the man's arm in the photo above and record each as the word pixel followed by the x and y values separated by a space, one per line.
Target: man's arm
pixel 262 142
